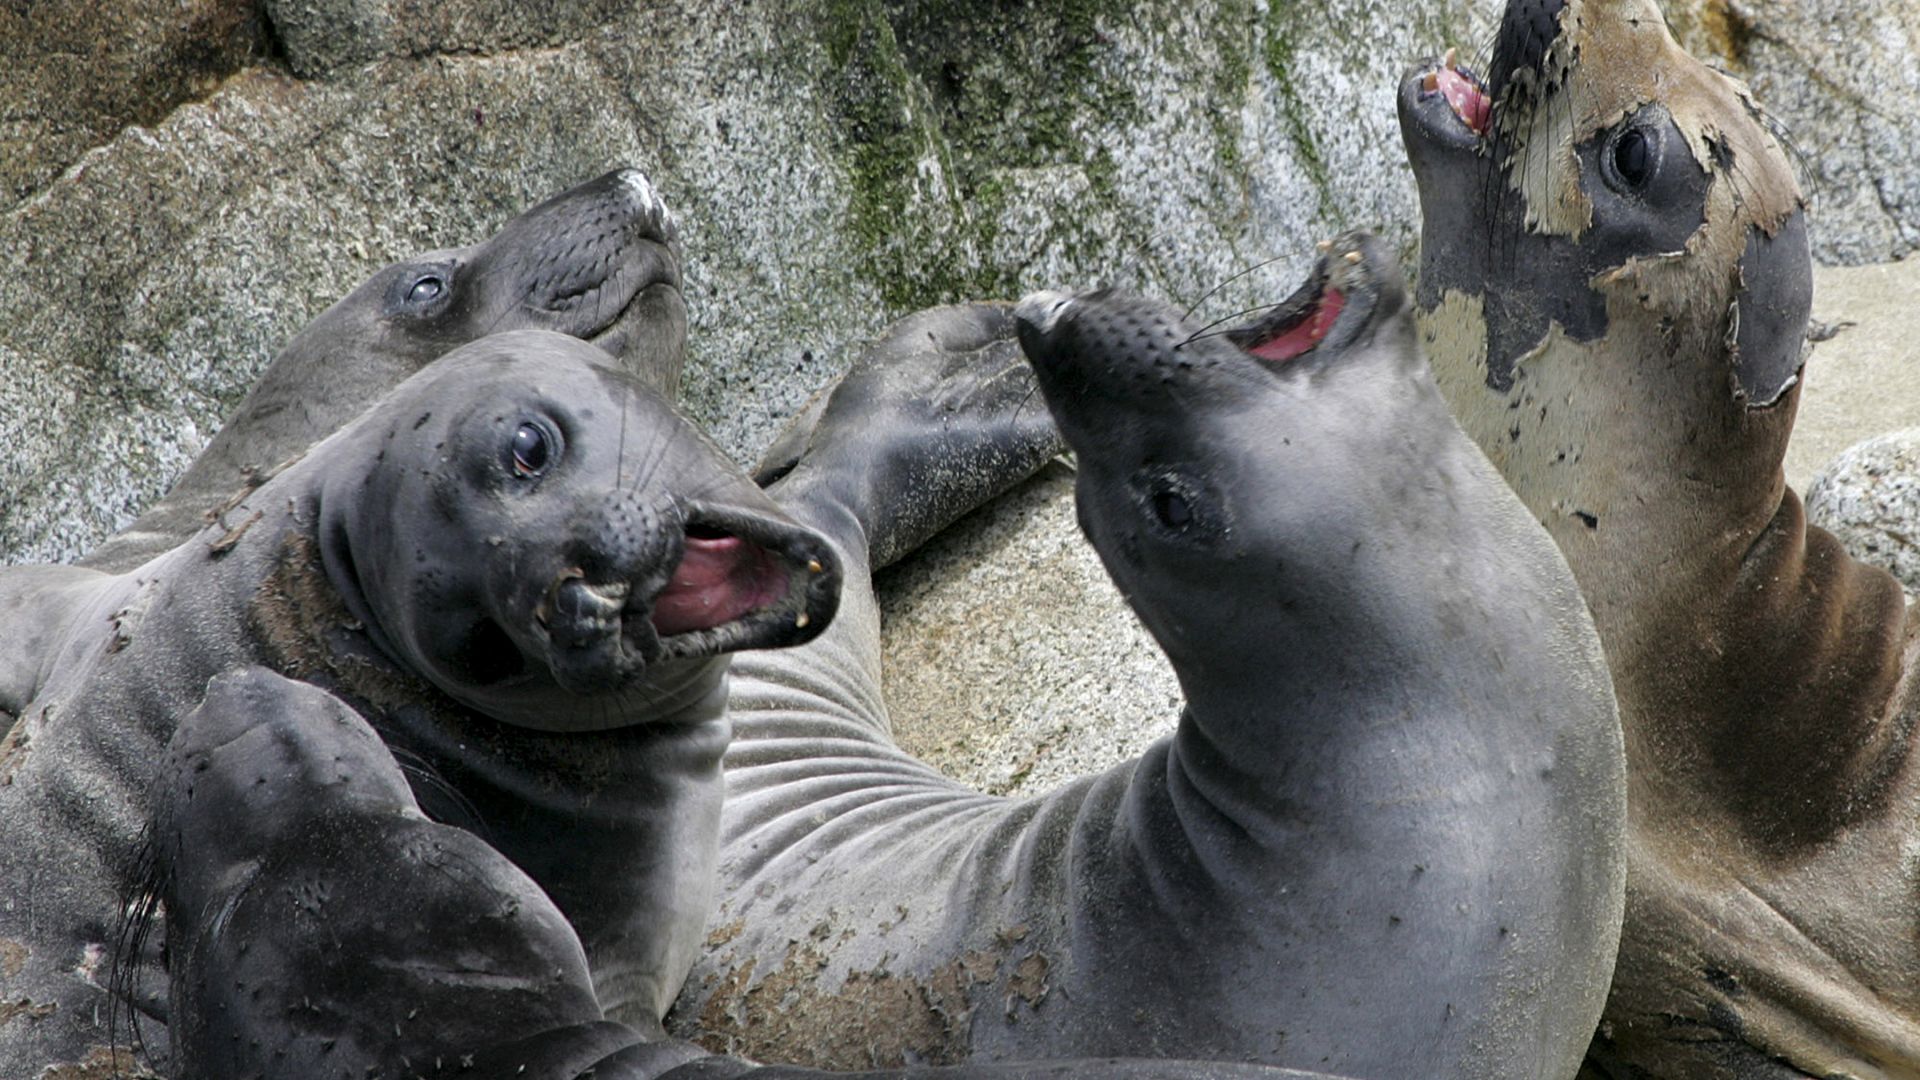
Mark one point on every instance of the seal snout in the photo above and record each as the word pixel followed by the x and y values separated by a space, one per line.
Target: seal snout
pixel 1447 104
pixel 1528 30
pixel 592 252
pixel 1038 312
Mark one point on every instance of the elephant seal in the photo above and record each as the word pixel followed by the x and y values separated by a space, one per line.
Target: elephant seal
pixel 600 261
pixel 322 925
pixel 1385 839
pixel 1614 289
pixel 521 566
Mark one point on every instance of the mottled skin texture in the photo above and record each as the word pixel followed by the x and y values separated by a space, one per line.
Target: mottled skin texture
pixel 600 261
pixel 324 926
pixel 482 597
pixel 1764 678
pixel 1385 839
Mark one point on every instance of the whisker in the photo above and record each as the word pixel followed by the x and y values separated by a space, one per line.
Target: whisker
pixel 1210 293
pixel 1208 330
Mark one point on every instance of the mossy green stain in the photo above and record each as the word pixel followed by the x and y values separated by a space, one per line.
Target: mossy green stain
pixel 978 89
pixel 1280 50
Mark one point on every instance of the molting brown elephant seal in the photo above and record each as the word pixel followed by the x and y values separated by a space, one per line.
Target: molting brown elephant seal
pixel 1385 839
pixel 1614 288
pixel 521 566
pixel 600 261
pixel 322 925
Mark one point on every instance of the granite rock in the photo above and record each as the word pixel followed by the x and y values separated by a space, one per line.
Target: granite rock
pixel 1869 497
pixel 833 166
pixel 1841 78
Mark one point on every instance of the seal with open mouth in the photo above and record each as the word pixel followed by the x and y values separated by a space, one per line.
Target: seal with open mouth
pixel 1385 839
pixel 1614 288
pixel 600 261
pixel 322 925
pixel 521 566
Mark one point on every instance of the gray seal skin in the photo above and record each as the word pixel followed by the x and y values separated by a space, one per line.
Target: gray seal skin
pixel 1639 401
pixel 323 926
pixel 600 261
pixel 1386 837
pixel 521 566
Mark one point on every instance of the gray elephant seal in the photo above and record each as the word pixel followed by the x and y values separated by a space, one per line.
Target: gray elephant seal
pixel 1385 839
pixel 521 566
pixel 1614 289
pixel 600 261
pixel 410 947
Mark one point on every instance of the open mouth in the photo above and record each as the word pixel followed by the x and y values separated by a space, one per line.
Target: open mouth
pixel 721 578
pixel 1463 90
pixel 1298 324
pixel 746 584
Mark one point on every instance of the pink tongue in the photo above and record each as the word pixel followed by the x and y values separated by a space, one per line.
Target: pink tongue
pixel 1466 99
pixel 717 581
pixel 1306 335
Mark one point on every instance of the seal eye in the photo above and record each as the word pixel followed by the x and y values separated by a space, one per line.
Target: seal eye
pixel 1172 510
pixel 426 289
pixel 1633 159
pixel 532 451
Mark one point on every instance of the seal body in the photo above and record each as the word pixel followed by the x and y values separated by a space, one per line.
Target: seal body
pixel 522 568
pixel 1614 291
pixel 600 262
pixel 1385 839
pixel 324 926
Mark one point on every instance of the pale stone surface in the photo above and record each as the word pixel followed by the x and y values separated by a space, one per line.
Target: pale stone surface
pixel 1856 447
pixel 1011 661
pixel 1842 80
pixel 1869 497
pixel 1863 377
pixel 833 166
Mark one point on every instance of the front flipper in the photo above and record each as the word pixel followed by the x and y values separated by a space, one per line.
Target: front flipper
pixel 935 418
pixel 322 926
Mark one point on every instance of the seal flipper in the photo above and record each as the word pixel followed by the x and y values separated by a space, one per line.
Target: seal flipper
pixel 935 418
pixel 405 942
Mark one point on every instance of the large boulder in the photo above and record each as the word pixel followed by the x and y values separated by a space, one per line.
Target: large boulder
pixel 1842 79
pixel 186 184
pixel 833 165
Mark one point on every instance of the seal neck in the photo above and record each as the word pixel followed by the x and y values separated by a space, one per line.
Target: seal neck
pixel 1789 664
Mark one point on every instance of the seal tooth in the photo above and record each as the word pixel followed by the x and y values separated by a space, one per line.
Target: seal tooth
pixel 1042 309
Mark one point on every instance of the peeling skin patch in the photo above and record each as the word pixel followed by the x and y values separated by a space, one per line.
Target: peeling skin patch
pixel 874 1019
pixel 13 751
pixel 296 613
pixel 723 934
pixel 92 958
pixel 1029 982
pixel 25 1007
pixel 13 957
pixel 101 1063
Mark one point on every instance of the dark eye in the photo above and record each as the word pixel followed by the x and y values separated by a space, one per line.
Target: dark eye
pixel 531 450
pixel 1172 510
pixel 426 290
pixel 1633 158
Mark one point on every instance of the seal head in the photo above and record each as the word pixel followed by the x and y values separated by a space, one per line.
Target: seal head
pixel 550 546
pixel 1606 219
pixel 599 262
pixel 1614 290
pixel 1166 494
